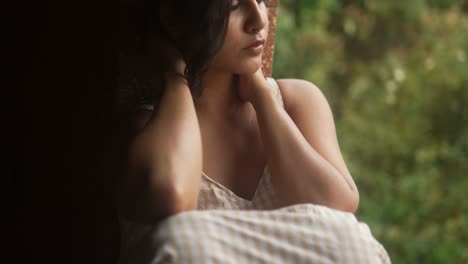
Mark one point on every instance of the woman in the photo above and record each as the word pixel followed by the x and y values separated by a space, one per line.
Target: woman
pixel 220 121
pixel 234 129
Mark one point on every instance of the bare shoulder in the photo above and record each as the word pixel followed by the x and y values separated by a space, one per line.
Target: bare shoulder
pixel 298 93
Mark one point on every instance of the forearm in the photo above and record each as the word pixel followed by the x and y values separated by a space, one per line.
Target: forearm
pixel 177 139
pixel 299 173
pixel 165 159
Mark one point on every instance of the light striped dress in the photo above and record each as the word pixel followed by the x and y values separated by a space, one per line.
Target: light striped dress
pixel 229 229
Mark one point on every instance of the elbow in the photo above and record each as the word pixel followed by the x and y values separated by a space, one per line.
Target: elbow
pixel 181 200
pixel 172 201
pixel 153 207
pixel 353 203
pixel 181 194
pixel 153 203
pixel 349 203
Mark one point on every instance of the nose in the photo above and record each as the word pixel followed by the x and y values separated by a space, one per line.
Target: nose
pixel 257 17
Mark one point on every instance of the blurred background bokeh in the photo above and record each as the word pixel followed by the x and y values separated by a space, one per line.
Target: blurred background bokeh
pixel 396 76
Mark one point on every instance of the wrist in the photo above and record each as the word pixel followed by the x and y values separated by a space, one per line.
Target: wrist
pixel 175 77
pixel 263 95
pixel 179 66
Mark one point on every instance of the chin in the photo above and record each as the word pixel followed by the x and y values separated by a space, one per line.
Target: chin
pixel 249 67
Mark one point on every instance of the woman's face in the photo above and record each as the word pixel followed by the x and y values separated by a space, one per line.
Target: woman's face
pixel 245 38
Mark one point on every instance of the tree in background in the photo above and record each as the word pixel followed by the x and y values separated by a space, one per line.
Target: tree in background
pixel 395 73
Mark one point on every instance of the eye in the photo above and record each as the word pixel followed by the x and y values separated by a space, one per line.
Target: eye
pixel 235 4
pixel 259 2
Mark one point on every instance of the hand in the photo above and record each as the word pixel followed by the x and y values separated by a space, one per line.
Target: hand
pixel 250 85
pixel 170 58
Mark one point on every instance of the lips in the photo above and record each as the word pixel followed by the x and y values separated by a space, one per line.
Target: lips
pixel 255 48
pixel 256 44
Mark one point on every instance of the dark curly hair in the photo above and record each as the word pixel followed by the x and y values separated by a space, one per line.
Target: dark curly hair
pixel 196 28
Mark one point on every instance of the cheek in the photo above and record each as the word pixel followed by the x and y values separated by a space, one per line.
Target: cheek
pixel 225 56
pixel 232 43
pixel 232 33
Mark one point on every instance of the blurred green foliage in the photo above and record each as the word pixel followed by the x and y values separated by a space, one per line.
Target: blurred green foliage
pixel 396 76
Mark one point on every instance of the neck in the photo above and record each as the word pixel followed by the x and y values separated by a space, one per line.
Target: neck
pixel 220 99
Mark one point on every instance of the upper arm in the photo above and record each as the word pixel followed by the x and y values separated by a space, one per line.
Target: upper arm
pixel 310 111
pixel 132 179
